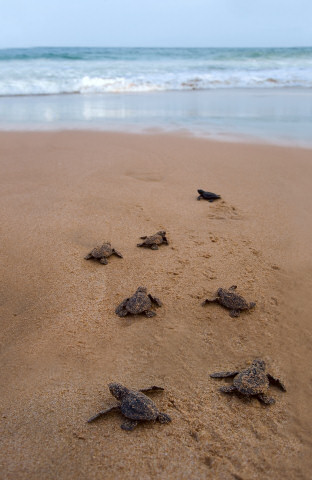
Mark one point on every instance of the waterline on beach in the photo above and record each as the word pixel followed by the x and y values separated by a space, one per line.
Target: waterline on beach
pixel 282 116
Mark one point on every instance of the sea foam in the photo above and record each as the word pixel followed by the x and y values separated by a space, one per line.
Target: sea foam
pixel 44 71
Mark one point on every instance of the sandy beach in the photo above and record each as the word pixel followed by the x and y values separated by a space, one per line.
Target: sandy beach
pixel 62 193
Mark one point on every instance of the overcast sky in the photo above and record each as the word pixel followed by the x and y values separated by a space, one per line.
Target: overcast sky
pixel 147 23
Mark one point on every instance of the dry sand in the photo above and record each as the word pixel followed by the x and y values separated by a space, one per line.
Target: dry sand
pixel 61 342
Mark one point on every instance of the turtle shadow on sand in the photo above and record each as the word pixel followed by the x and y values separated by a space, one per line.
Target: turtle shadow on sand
pixel 134 405
pixel 253 381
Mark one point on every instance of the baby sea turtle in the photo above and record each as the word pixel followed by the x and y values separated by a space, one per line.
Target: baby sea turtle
pixel 211 197
pixel 154 240
pixel 140 302
pixel 134 405
pixel 252 381
pixel 228 299
pixel 102 253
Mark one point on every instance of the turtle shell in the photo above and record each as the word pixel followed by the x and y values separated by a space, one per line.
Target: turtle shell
pixel 251 381
pixel 104 250
pixel 231 300
pixel 139 303
pixel 158 239
pixel 137 406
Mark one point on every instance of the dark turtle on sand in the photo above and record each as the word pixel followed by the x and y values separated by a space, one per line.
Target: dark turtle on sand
pixel 134 405
pixel 154 240
pixel 228 299
pixel 252 381
pixel 102 253
pixel 211 197
pixel 140 302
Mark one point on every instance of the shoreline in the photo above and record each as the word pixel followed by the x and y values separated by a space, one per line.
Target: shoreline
pixel 279 116
pixel 61 342
pixel 228 138
pixel 273 90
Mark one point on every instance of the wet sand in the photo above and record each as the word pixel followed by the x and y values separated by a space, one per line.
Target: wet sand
pixel 62 193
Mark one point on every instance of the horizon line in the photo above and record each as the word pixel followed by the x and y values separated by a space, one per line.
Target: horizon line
pixel 150 47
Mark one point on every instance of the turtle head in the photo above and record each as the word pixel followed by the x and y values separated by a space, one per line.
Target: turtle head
pixel 117 390
pixel 259 364
pixel 200 191
pixel 162 233
pixel 141 289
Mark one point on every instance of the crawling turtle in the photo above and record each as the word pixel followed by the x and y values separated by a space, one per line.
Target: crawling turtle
pixel 102 253
pixel 252 381
pixel 228 299
pixel 154 240
pixel 140 302
pixel 134 405
pixel 211 197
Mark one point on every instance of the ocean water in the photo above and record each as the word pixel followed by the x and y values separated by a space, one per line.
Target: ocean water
pixel 264 93
pixel 118 70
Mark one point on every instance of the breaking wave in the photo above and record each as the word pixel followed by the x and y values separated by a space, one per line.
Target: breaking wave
pixel 47 71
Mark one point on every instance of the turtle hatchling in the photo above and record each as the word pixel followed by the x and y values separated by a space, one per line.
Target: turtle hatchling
pixel 211 197
pixel 134 405
pixel 252 381
pixel 231 300
pixel 102 253
pixel 154 240
pixel 140 302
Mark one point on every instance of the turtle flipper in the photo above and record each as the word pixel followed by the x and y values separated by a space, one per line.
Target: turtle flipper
pixel 227 389
pixel 224 374
pixel 163 418
pixel 143 238
pixel 104 261
pixel 103 412
pixel 199 197
pixel 265 399
pixel 117 253
pixel 208 300
pixel 154 388
pixel 150 313
pixel 252 305
pixel 232 288
pixel 87 257
pixel 129 425
pixel 155 300
pixel 121 310
pixel 276 381
pixel 234 313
